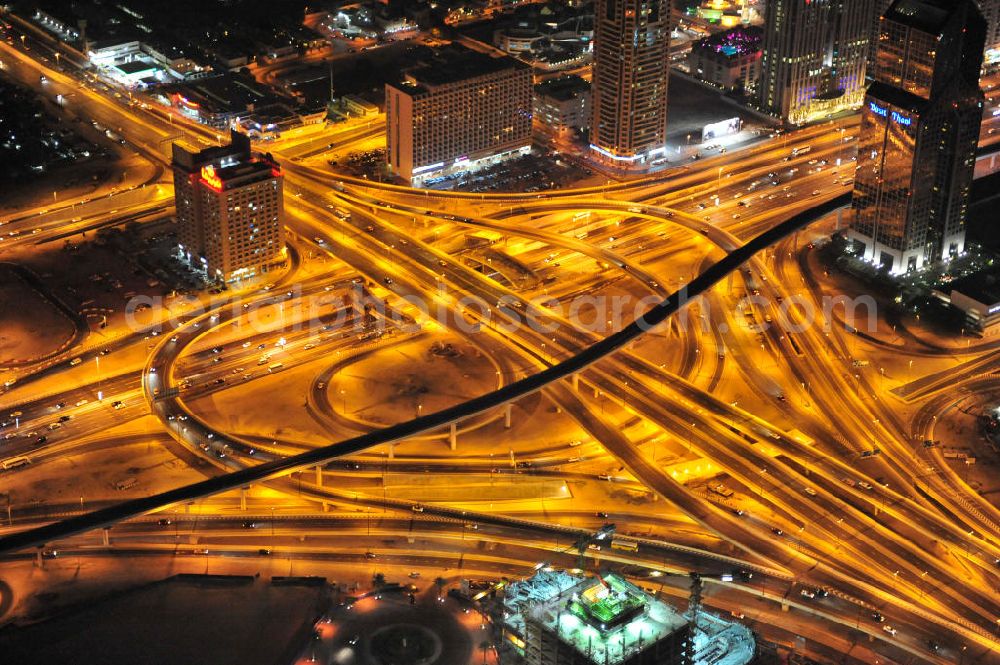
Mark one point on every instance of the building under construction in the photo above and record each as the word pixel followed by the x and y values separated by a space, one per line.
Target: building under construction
pixel 556 618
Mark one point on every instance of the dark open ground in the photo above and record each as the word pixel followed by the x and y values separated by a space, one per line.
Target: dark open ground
pixel 180 621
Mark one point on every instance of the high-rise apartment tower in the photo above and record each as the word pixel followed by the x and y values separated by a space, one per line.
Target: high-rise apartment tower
pixel 629 94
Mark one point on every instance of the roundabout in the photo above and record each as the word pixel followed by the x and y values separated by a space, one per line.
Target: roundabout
pixel 393 632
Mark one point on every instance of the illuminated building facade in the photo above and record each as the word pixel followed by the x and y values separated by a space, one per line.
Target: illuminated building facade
pixel 230 211
pixel 918 137
pixel 629 97
pixel 460 111
pixel 729 59
pixel 991 12
pixel 555 618
pixel 563 104
pixel 814 56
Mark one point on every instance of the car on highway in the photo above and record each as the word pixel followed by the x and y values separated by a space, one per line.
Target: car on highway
pixel 889 629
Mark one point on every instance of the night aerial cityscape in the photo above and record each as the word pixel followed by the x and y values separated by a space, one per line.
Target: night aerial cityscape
pixel 499 332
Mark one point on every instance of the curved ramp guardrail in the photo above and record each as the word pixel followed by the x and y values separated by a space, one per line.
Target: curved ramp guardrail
pixel 655 315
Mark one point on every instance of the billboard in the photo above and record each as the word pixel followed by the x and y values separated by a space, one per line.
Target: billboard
pixel 720 129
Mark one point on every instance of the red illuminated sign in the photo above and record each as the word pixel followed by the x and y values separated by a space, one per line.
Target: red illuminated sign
pixel 210 178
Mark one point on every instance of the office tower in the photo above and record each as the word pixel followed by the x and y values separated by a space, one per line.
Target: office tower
pixel 458 111
pixel 229 209
pixel 918 136
pixel 814 56
pixel 629 97
pixel 880 8
pixel 991 12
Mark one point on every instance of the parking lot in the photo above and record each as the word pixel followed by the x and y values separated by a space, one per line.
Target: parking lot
pixel 536 172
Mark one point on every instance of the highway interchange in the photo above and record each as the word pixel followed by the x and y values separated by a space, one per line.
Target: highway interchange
pixel 814 510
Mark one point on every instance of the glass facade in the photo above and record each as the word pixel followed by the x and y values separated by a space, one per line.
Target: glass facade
pixel 919 130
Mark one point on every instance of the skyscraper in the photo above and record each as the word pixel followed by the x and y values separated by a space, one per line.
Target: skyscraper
pixel 991 12
pixel 919 130
pixel 230 210
pixel 629 95
pixel 814 56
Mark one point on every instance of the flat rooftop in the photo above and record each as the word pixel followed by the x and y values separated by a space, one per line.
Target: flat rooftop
pixel 136 66
pixel 927 15
pixel 452 64
pixel 979 287
pixel 563 88
pixel 606 619
pixel 182 620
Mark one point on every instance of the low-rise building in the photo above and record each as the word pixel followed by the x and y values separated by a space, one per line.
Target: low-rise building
pixel 357 106
pixel 978 298
pixel 563 104
pixel 729 60
pixel 555 618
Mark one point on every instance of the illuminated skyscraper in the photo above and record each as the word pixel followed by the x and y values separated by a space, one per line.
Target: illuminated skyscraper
pixel 919 130
pixel 230 211
pixel 991 12
pixel 814 56
pixel 629 95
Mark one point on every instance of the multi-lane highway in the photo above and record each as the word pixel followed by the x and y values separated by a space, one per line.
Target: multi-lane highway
pixel 781 414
